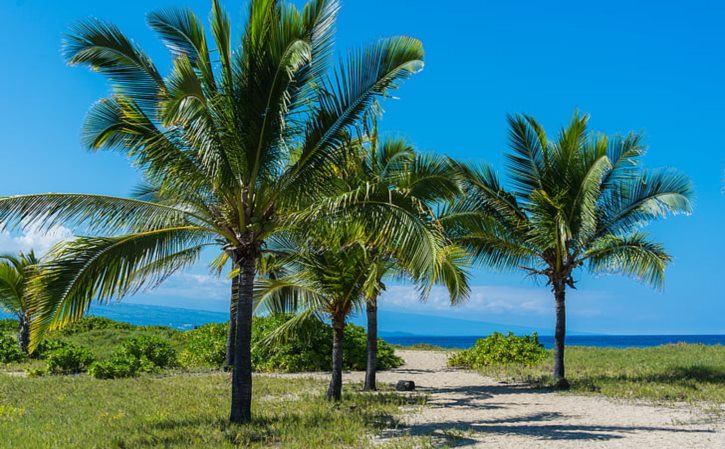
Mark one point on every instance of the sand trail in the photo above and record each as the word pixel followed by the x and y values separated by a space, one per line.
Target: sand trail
pixel 469 410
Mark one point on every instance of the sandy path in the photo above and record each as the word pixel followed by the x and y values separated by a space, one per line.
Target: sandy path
pixel 468 410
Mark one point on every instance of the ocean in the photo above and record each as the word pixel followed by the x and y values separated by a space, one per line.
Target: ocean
pixel 184 319
pixel 601 341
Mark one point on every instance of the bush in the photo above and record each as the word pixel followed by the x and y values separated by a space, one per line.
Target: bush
pixel 310 349
pixel 151 351
pixel 142 354
pixel 47 346
pixel 9 350
pixel 69 359
pixel 36 372
pixel 355 351
pixel 205 346
pixel 499 349
pixel 90 323
pixel 9 326
pixel 115 367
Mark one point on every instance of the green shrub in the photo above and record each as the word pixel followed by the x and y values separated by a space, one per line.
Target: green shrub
pixel 9 350
pixel 309 349
pixel 69 359
pixel 115 367
pixel 9 326
pixel 36 372
pixel 90 323
pixel 205 346
pixel 499 349
pixel 141 354
pixel 355 351
pixel 47 346
pixel 151 351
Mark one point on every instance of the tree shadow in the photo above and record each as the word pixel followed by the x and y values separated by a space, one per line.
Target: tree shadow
pixel 537 426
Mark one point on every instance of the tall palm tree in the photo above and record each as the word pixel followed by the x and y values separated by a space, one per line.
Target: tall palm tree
pixel 579 200
pixel 15 274
pixel 428 179
pixel 235 142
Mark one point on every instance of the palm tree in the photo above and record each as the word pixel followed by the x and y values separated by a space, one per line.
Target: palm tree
pixel 331 270
pixel 327 275
pixel 235 142
pixel 428 179
pixel 15 273
pixel 579 200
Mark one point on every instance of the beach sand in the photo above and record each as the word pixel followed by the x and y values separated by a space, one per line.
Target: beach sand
pixel 472 411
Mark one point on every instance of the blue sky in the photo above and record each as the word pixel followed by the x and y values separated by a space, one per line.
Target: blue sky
pixel 651 66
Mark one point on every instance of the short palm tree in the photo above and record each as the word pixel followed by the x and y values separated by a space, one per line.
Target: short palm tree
pixel 15 274
pixel 330 269
pixel 235 142
pixel 578 200
pixel 428 179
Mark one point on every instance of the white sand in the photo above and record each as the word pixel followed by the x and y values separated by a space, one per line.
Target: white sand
pixel 468 410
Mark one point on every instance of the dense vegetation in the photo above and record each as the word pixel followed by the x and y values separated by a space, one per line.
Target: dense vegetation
pixel 109 349
pixel 499 349
pixel 680 372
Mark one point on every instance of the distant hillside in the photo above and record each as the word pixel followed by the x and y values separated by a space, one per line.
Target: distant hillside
pixel 392 324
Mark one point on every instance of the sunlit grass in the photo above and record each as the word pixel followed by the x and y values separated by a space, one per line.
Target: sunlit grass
pixel 186 411
pixel 681 372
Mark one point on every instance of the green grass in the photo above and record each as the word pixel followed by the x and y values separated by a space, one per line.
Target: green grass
pixel 186 411
pixel 681 372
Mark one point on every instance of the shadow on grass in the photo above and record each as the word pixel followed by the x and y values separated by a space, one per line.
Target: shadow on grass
pixel 312 416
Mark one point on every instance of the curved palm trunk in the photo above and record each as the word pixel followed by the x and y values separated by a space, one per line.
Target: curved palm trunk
pixel 560 335
pixel 231 332
pixel 371 309
pixel 334 392
pixel 24 332
pixel 241 410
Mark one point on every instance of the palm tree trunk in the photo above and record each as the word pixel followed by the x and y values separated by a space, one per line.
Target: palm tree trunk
pixel 371 309
pixel 24 332
pixel 242 364
pixel 560 335
pixel 334 393
pixel 232 331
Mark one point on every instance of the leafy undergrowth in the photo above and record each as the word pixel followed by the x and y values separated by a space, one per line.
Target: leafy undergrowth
pixel 201 348
pixel 680 372
pixel 187 411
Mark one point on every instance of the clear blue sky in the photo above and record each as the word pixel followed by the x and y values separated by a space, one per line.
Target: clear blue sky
pixel 649 66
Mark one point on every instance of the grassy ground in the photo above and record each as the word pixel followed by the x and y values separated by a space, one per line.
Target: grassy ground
pixel 185 411
pixel 679 372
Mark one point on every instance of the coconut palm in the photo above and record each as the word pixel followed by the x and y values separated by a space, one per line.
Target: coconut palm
pixel 15 274
pixel 331 268
pixel 235 142
pixel 576 201
pixel 428 179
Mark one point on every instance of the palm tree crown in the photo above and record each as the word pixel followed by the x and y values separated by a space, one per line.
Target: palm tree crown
pixel 16 271
pixel 234 142
pixel 576 201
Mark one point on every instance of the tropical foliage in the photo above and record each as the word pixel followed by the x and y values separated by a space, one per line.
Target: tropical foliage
pixel 578 200
pixel 15 275
pixel 500 349
pixel 235 142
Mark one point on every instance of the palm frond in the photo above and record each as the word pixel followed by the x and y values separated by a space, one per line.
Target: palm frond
pixel 634 255
pixel 96 213
pixel 104 48
pixel 103 268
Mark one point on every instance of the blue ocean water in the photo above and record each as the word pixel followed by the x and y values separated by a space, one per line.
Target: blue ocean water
pixel 608 341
